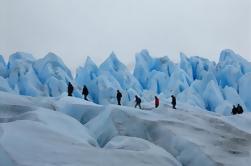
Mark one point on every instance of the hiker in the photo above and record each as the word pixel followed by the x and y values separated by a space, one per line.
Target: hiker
pixel 156 101
pixel 85 92
pixel 234 110
pixel 173 101
pixel 119 96
pixel 138 101
pixel 239 109
pixel 70 89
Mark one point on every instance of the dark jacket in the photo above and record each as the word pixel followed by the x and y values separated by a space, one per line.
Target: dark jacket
pixel 70 89
pixel 234 110
pixel 239 109
pixel 119 95
pixel 138 100
pixel 173 100
pixel 85 91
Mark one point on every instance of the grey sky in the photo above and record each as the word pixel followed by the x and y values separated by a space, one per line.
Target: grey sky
pixel 74 29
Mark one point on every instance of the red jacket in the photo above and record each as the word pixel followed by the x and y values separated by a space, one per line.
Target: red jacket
pixel 157 102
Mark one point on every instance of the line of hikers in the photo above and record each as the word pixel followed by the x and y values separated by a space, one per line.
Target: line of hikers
pixel 85 92
pixel 235 110
pixel 138 100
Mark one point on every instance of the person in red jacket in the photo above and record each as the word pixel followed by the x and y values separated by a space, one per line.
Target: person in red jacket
pixel 156 101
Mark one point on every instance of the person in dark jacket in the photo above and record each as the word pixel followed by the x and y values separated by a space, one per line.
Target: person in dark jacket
pixel 70 89
pixel 85 92
pixel 239 109
pixel 119 96
pixel 156 101
pixel 173 101
pixel 234 110
pixel 138 101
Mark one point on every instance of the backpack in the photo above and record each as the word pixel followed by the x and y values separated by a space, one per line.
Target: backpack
pixel 138 100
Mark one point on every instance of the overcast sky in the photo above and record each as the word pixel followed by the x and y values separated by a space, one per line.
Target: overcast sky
pixel 75 29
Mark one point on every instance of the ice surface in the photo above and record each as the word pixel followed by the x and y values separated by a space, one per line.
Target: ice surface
pixel 192 97
pixel 178 82
pixel 200 66
pixel 144 63
pixel 229 76
pixel 194 80
pixel 231 95
pixel 153 74
pixel 53 73
pixel 42 136
pixel 4 85
pixel 120 72
pixel 212 96
pixel 142 146
pixel 52 65
pixel 186 65
pixel 43 126
pixel 87 75
pixel 229 57
pixel 22 76
pixel 3 67
pixel 42 130
pixel 244 89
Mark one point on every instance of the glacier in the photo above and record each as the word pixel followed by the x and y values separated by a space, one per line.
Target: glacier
pixel 69 131
pixel 40 125
pixel 194 80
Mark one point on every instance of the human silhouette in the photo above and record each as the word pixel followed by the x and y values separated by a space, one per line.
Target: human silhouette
pixel 70 89
pixel 239 109
pixel 138 101
pixel 173 101
pixel 234 110
pixel 119 96
pixel 156 101
pixel 85 92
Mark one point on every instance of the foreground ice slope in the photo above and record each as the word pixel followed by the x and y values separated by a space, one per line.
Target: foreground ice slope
pixel 34 135
pixel 193 138
pixel 70 131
